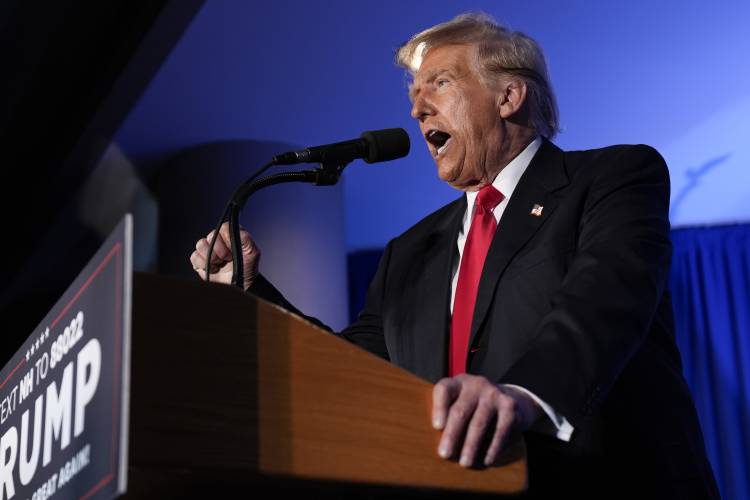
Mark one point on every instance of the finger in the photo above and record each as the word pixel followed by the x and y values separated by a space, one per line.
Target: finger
pixel 224 232
pixel 197 261
pixel 217 257
pixel 459 415
pixel 479 427
pixel 222 247
pixel 505 420
pixel 444 394
pixel 199 264
pixel 221 276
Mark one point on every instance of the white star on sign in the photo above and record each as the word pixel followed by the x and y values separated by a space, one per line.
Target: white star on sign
pixel 46 333
pixel 27 354
pixel 37 343
pixel 32 349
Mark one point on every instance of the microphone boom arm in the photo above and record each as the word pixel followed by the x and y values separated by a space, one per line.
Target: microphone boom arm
pixel 327 174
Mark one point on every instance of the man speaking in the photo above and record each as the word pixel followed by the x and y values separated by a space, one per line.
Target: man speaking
pixel 536 301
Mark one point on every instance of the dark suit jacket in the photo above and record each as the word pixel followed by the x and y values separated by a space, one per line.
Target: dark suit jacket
pixel 572 305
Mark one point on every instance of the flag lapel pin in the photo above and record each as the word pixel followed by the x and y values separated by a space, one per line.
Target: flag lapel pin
pixel 537 210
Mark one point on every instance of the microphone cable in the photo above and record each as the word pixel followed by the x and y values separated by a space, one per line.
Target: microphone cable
pixel 223 219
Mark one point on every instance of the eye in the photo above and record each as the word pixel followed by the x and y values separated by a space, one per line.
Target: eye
pixel 441 83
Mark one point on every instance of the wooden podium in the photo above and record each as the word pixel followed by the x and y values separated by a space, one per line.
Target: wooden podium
pixel 230 393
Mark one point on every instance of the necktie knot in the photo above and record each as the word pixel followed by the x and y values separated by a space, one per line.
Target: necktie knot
pixel 489 197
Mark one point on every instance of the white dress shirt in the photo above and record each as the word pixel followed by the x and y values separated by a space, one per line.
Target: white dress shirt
pixel 506 182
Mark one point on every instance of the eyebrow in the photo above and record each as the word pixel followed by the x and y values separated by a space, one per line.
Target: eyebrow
pixel 431 76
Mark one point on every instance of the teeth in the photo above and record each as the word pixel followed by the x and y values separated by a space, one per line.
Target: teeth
pixel 442 148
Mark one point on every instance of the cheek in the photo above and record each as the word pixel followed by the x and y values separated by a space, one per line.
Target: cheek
pixel 461 116
pixel 469 123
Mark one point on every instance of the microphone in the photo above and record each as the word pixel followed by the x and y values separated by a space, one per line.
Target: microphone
pixel 372 146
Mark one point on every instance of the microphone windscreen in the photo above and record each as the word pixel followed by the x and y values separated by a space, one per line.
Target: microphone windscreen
pixel 386 144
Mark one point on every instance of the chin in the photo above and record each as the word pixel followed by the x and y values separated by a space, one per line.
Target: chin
pixel 446 172
pixel 448 177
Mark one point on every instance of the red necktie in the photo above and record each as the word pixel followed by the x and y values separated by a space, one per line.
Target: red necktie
pixel 472 261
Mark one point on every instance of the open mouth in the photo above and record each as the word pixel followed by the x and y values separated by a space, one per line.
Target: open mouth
pixel 438 139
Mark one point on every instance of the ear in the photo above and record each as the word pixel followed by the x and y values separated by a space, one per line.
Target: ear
pixel 511 97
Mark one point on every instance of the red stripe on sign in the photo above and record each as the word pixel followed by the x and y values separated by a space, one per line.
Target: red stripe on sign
pixel 12 372
pixel 101 484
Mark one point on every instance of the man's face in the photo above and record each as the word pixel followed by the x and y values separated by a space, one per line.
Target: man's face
pixel 459 117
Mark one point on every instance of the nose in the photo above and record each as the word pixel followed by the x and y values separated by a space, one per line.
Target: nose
pixel 422 107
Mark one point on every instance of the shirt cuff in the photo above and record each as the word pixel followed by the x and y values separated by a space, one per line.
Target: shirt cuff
pixel 563 429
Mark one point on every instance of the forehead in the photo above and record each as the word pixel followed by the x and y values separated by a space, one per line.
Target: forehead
pixel 452 58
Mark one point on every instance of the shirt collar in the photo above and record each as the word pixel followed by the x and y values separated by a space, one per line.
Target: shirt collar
pixel 507 180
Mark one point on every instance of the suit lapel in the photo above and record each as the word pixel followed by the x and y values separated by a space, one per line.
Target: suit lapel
pixel 431 331
pixel 545 174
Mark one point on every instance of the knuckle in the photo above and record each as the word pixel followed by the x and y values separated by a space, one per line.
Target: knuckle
pixel 459 412
pixel 488 392
pixel 475 384
pixel 443 386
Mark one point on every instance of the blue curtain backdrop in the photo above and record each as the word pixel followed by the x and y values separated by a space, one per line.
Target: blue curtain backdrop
pixel 710 284
pixel 711 293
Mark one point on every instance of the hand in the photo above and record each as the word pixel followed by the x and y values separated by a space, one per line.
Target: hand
pixel 221 258
pixel 474 407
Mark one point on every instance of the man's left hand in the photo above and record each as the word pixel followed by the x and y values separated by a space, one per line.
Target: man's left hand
pixel 473 408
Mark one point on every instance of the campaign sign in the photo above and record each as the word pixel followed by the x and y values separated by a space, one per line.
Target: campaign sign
pixel 64 394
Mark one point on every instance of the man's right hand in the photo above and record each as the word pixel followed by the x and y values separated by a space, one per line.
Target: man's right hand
pixel 221 268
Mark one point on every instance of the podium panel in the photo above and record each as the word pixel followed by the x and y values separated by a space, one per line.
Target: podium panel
pixel 227 388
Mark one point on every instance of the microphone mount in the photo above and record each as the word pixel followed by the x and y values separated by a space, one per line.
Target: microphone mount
pixel 372 146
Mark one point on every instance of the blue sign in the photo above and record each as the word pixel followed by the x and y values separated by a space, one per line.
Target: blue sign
pixel 64 394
